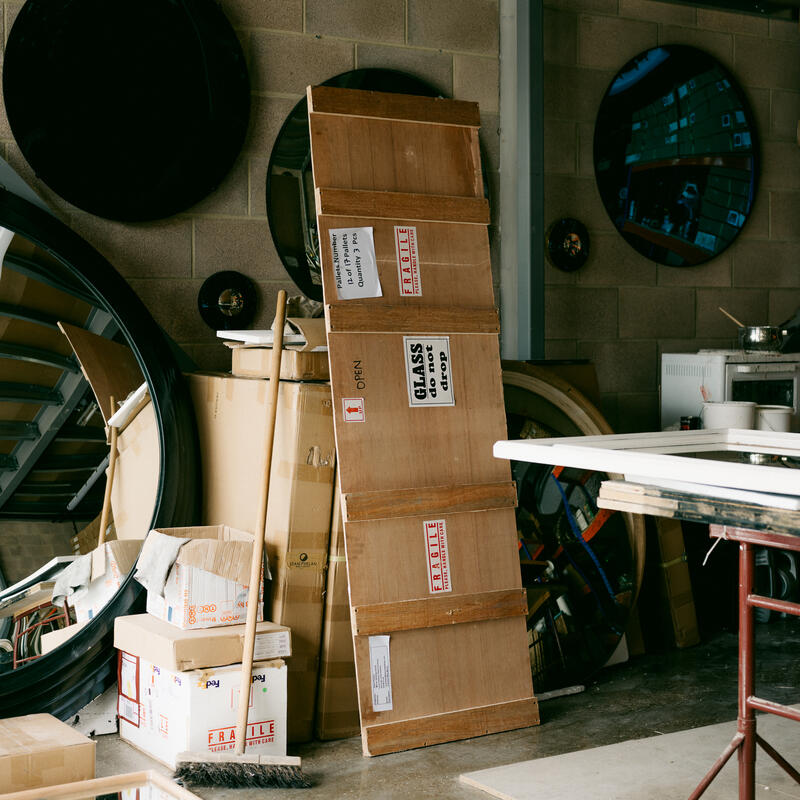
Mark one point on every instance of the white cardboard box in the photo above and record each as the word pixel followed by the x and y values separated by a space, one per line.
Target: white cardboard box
pixel 163 712
pixel 111 563
pixel 208 583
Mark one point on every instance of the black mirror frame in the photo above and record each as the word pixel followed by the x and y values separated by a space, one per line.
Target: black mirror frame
pixel 66 679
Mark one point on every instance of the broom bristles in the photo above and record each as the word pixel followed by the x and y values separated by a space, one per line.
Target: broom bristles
pixel 217 769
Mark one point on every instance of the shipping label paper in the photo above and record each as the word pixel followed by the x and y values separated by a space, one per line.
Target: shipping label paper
pixel 428 371
pixel 438 558
pixel 381 672
pixel 355 268
pixel 271 645
pixel 405 243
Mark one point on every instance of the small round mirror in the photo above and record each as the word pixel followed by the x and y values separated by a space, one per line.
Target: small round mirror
pixel 676 155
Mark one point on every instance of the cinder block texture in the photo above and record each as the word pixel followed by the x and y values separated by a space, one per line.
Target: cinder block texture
pixel 432 66
pixel 658 12
pixel 608 42
pixel 477 79
pixel 284 15
pixel 654 313
pixel 368 20
pixel 468 26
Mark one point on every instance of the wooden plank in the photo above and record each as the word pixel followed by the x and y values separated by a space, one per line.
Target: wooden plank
pixel 110 368
pixel 451 259
pixel 419 447
pixel 434 500
pixel 482 555
pixel 434 611
pixel 374 318
pixel 435 729
pixel 389 156
pixel 403 205
pixel 359 103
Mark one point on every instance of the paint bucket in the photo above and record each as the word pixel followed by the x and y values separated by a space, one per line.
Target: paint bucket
pixel 773 418
pixel 728 414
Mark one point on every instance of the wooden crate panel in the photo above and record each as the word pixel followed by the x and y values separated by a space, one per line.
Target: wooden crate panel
pixel 453 263
pixel 392 156
pixel 392 554
pixel 437 670
pixel 399 447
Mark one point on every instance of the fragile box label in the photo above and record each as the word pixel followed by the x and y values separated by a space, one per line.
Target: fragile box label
pixel 428 374
pixel 405 243
pixel 221 739
pixel 438 557
pixel 355 267
pixel 381 673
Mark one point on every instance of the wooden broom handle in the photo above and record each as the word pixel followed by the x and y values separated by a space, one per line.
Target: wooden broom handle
pixel 112 463
pixel 260 529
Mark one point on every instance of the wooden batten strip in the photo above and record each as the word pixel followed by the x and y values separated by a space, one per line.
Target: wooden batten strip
pixel 434 501
pixel 364 318
pixel 437 728
pixel 402 205
pixel 403 107
pixel 433 612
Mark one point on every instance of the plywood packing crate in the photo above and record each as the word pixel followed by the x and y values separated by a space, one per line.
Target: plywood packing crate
pixel 164 712
pixel 231 415
pixel 40 750
pixel 163 644
pixel 337 697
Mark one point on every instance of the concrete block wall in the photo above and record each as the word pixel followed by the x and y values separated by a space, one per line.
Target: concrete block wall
pixel 621 310
pixel 288 45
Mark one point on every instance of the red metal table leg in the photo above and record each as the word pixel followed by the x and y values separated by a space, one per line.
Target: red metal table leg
pixel 746 720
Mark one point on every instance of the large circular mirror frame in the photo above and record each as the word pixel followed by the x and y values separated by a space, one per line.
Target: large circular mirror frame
pixel 65 680
pixel 676 155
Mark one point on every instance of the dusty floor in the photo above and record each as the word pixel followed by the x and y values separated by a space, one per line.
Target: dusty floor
pixel 651 694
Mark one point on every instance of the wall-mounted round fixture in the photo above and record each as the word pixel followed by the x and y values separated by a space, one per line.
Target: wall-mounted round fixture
pixel 567 244
pixel 676 155
pixel 227 301
pixel 132 109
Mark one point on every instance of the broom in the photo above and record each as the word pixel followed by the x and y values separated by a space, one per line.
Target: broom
pixel 238 769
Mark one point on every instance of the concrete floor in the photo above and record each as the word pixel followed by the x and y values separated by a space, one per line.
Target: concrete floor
pixel 651 694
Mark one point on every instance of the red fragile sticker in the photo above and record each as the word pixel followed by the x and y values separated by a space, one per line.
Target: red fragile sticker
pixel 405 243
pixel 438 558
pixel 353 409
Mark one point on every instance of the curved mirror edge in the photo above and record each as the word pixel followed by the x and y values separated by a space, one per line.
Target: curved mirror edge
pixel 676 155
pixel 65 680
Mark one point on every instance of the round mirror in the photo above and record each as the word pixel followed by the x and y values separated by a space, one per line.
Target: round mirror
pixel 133 109
pixel 291 208
pixel 676 155
pixel 53 442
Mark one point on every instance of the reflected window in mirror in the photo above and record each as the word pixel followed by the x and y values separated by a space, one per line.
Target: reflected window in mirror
pixel 676 155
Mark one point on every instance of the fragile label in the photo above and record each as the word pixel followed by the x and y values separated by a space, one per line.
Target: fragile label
pixel 428 371
pixel 438 558
pixel 405 243
pixel 353 409
pixel 271 645
pixel 381 673
pixel 221 739
pixel 355 268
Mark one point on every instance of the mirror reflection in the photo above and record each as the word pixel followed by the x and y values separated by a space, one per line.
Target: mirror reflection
pixel 79 455
pixel 675 155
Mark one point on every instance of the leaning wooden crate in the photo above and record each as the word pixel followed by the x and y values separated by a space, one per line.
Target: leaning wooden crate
pixel 437 605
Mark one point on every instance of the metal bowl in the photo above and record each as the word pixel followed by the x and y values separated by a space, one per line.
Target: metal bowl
pixel 758 338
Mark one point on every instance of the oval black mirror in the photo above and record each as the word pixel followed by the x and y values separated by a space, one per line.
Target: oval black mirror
pixel 676 155
pixel 63 681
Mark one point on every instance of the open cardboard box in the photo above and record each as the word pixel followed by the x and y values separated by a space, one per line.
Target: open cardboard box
pixel 208 583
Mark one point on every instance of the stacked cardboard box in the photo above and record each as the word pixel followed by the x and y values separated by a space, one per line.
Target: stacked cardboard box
pixel 231 416
pixel 180 665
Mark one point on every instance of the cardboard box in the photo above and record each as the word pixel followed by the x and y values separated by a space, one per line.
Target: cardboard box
pixel 255 361
pixel 135 486
pixel 208 583
pixel 164 712
pixel 337 696
pixel 161 643
pixel 39 750
pixel 231 418
pixel 111 563
pixel 53 639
